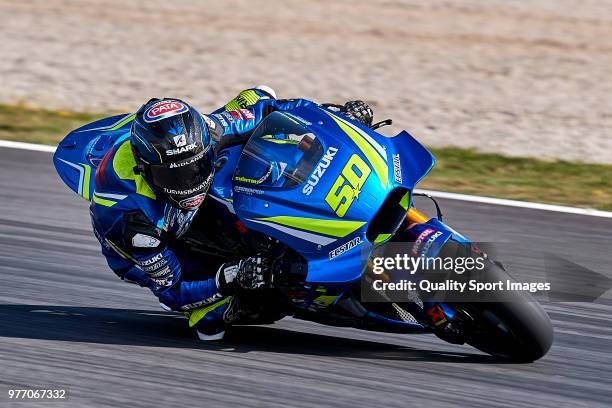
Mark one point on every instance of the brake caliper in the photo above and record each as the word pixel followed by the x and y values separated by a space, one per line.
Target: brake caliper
pixel 446 323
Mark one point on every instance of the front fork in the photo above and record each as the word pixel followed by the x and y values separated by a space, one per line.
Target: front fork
pixel 437 314
pixel 414 216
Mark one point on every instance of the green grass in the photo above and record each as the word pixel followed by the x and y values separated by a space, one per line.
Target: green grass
pixel 33 125
pixel 556 182
pixel 457 170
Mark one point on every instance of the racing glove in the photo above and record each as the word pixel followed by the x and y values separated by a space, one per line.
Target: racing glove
pixel 247 274
pixel 359 111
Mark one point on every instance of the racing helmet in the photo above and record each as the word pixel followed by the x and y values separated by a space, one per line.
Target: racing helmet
pixel 172 146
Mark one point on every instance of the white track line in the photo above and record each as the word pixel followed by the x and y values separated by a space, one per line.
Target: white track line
pixel 27 146
pixel 515 203
pixel 437 194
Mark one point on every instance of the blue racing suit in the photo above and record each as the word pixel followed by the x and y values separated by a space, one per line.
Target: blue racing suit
pixel 140 233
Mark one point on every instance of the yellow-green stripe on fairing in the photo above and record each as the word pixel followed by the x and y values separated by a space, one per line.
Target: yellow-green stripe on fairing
pixel 124 122
pixel 269 138
pixel 381 238
pixel 124 163
pixel 198 314
pixel 379 164
pixel 335 228
pixel 405 201
pixel 249 96
pixel 86 182
pixel 102 201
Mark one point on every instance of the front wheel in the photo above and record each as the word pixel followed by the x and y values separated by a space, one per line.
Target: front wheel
pixel 519 331
pixel 513 326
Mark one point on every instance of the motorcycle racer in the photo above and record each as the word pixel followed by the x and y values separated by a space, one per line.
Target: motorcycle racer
pixel 160 176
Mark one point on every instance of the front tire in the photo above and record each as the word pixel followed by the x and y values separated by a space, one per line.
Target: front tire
pixel 520 331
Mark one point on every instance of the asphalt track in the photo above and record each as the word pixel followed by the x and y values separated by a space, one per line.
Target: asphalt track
pixel 67 322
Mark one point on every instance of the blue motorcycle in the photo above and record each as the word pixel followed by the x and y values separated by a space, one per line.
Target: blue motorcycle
pixel 324 193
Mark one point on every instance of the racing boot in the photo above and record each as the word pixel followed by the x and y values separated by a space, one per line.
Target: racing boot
pixel 208 320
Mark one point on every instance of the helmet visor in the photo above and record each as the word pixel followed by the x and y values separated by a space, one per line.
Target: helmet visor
pixel 186 178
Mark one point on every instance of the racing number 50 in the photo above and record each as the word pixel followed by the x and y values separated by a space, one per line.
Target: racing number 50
pixel 348 185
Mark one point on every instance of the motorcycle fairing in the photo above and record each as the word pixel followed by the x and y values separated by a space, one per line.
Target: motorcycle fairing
pixel 80 152
pixel 333 242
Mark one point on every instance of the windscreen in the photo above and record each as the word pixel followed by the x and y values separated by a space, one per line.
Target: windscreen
pixel 280 153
